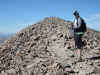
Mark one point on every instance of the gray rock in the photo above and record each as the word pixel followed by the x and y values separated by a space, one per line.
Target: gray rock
pixel 45 48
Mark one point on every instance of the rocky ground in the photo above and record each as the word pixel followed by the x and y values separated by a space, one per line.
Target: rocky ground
pixel 45 48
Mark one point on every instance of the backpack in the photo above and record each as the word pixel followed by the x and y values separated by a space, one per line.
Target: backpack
pixel 83 26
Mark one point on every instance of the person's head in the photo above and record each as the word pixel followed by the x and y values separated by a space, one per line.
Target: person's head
pixel 76 14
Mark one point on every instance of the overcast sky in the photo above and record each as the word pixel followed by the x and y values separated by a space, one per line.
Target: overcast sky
pixel 17 14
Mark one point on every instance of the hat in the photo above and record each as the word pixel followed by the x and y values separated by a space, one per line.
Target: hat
pixel 76 13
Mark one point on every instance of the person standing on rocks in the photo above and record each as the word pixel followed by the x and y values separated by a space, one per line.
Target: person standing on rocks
pixel 79 28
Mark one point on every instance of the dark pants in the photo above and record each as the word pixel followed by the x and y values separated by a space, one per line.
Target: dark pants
pixel 78 41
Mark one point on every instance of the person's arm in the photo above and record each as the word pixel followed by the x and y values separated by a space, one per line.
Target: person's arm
pixel 72 27
pixel 73 24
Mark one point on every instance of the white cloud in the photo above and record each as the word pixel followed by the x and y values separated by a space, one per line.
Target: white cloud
pixel 93 21
pixel 93 17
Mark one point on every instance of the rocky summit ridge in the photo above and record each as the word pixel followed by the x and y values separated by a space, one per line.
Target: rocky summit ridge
pixel 45 48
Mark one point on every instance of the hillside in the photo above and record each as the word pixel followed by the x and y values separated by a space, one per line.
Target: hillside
pixel 44 48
